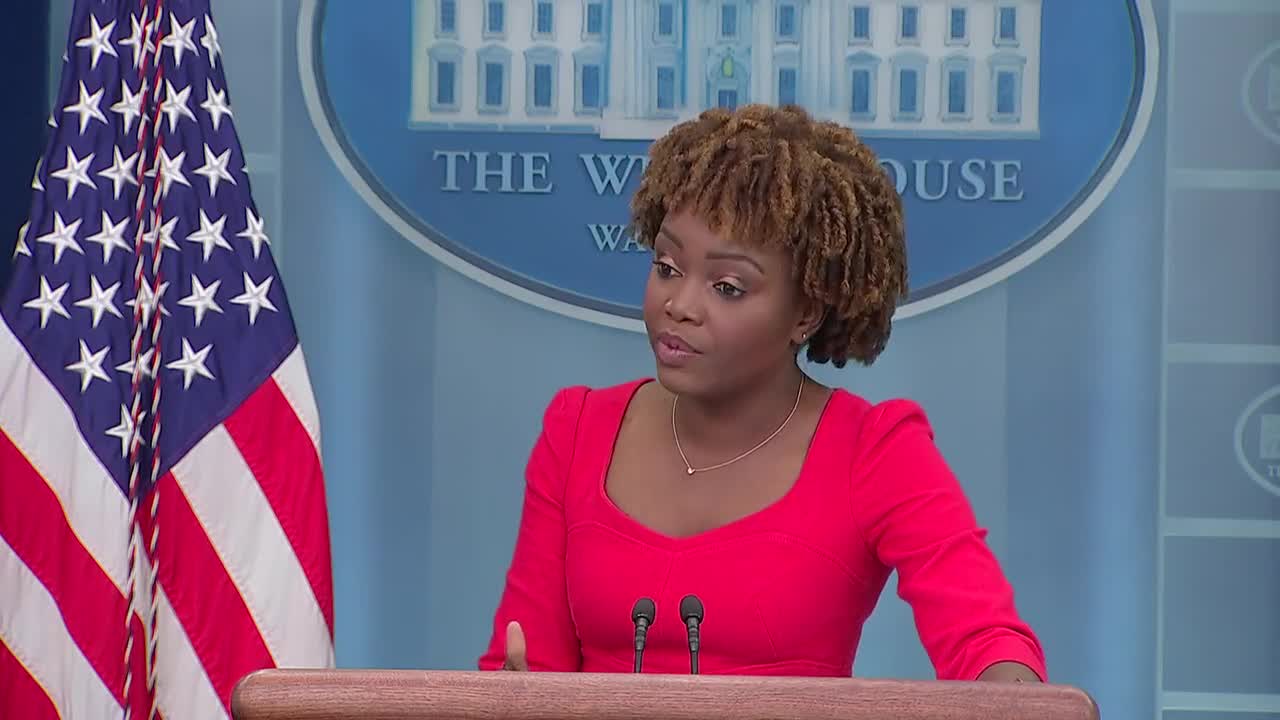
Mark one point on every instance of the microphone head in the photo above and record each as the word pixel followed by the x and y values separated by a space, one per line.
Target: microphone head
pixel 691 608
pixel 644 608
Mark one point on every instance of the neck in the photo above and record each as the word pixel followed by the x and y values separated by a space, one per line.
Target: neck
pixel 733 422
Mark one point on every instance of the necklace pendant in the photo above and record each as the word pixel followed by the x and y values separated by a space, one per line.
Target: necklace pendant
pixel 689 470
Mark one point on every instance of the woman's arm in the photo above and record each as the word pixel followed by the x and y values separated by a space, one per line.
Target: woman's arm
pixel 917 520
pixel 535 594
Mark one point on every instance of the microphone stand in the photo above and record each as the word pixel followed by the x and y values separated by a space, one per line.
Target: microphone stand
pixel 642 615
pixel 691 613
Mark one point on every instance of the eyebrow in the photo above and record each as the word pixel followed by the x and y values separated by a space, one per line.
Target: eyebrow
pixel 714 255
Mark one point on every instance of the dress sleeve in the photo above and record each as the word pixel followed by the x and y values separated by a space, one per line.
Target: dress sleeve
pixel 916 520
pixel 535 592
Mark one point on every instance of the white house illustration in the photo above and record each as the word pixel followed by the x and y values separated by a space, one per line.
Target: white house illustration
pixel 629 69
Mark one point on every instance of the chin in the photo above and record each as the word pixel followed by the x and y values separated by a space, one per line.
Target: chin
pixel 685 381
pixel 677 381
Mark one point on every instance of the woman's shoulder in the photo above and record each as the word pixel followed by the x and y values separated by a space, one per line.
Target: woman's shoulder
pixel 870 423
pixel 569 403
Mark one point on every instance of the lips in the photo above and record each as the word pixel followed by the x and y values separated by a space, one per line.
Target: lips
pixel 672 350
pixel 675 342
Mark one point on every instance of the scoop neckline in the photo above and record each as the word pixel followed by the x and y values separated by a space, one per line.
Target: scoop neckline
pixel 737 527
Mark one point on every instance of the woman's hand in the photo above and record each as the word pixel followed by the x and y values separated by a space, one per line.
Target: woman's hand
pixel 516 653
pixel 1003 672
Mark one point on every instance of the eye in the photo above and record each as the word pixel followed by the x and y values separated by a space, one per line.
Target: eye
pixel 664 269
pixel 728 289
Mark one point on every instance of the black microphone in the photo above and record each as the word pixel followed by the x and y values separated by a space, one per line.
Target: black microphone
pixel 642 614
pixel 691 614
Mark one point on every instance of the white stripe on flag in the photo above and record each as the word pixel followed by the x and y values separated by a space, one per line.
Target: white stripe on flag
pixel 294 383
pixel 41 425
pixel 244 531
pixel 32 628
pixel 183 689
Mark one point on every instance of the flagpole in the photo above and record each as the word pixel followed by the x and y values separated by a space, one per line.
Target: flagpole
pixel 151 22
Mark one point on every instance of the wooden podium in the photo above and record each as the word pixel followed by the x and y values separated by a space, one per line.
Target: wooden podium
pixel 459 695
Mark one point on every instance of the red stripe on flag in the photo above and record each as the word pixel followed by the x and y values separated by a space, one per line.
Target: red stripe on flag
pixel 205 601
pixel 33 523
pixel 20 693
pixel 281 455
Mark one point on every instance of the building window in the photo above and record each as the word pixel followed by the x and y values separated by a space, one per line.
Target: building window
pixel 1006 25
pixel 494 87
pixel 447 18
pixel 957 88
pixel 668 23
pixel 909 24
pixel 788 21
pixel 665 88
pixel 446 81
pixel 494 69
pixel 860 92
pixel 591 75
pixel 446 77
pixel 860 25
pixel 1006 88
pixel 495 19
pixel 863 71
pixel 957 26
pixel 728 81
pixel 593 21
pixel 908 92
pixel 787 82
pixel 908 87
pixel 786 76
pixel 666 20
pixel 1006 92
pixel 544 20
pixel 542 68
pixel 728 21
pixel 589 81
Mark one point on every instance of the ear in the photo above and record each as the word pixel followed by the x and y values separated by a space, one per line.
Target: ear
pixel 812 313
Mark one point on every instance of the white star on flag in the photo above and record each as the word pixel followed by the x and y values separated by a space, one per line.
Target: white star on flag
pixel 49 301
pixel 215 103
pixel 127 367
pixel 99 42
pixel 121 171
pixel 175 104
pixel 255 297
pixel 87 108
pixel 62 237
pixel 129 106
pixel 201 299
pixel 124 431
pixel 253 232
pixel 192 363
pixel 100 301
pixel 215 168
pixel 210 234
pixel 90 366
pixel 110 236
pixel 76 172
pixel 210 43
pixel 179 38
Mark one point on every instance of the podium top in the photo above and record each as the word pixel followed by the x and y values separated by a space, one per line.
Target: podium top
pixel 467 695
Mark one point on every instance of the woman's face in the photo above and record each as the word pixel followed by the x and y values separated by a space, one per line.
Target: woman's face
pixel 721 315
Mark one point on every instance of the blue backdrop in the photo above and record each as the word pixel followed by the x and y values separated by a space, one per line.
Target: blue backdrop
pixel 1104 407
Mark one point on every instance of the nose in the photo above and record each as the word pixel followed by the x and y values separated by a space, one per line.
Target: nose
pixel 683 305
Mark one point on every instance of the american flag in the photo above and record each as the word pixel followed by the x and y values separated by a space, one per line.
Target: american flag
pixel 159 443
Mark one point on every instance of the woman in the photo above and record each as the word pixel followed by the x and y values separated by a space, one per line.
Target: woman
pixel 782 504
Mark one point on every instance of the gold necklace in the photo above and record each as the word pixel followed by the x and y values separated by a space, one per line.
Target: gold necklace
pixel 691 469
